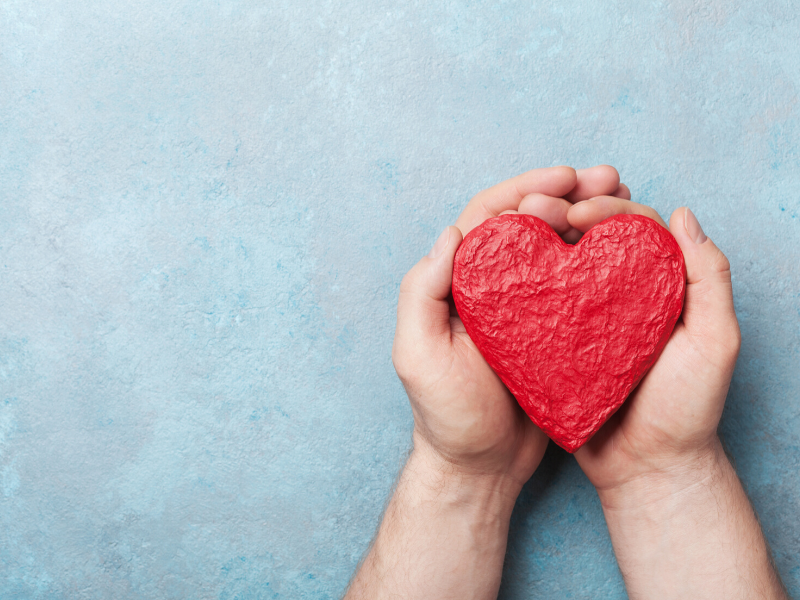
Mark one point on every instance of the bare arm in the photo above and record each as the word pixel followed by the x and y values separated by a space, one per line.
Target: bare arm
pixel 445 530
pixel 690 533
pixel 443 535
pixel 680 522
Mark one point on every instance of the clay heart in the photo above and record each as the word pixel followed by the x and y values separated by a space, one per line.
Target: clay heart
pixel 570 330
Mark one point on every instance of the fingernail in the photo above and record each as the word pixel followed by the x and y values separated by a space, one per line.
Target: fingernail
pixel 693 227
pixel 440 244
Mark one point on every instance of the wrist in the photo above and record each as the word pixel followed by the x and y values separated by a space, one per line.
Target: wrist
pixel 488 495
pixel 443 534
pixel 668 480
pixel 687 530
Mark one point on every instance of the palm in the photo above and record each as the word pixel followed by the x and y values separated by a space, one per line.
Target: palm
pixel 461 408
pixel 470 416
pixel 491 422
pixel 676 405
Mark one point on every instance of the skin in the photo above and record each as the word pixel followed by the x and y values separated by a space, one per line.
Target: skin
pixel 679 520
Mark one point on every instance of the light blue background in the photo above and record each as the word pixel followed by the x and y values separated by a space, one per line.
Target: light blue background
pixel 206 209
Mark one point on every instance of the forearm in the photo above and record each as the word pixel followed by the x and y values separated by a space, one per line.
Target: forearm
pixel 443 535
pixel 690 533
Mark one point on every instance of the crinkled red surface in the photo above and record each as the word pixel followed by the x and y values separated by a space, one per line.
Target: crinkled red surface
pixel 570 330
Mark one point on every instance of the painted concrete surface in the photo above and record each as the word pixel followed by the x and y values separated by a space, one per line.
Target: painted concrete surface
pixel 206 209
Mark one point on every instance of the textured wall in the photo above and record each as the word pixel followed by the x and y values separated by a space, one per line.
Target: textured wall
pixel 206 209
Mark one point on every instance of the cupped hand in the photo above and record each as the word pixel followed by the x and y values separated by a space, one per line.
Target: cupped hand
pixel 669 422
pixel 463 414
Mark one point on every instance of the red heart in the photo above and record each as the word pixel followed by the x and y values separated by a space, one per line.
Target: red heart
pixel 570 330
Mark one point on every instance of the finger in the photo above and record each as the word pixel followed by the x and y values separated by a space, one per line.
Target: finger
pixel 585 215
pixel 708 308
pixel 573 236
pixel 623 192
pixel 602 180
pixel 423 312
pixel 549 209
pixel 554 181
pixel 508 212
pixel 552 211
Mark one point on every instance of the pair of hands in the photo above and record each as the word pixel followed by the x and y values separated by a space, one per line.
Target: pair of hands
pixel 467 421
pixel 679 520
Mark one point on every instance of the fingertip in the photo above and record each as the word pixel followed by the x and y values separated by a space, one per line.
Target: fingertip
pixel 552 211
pixel 576 215
pixel 567 173
pixel 453 238
pixel 456 237
pixel 708 308
pixel 608 173
pixel 423 311
pixel 693 227
pixel 623 191
pixel 433 275
pixel 554 181
pixel 679 228
pixel 585 215
pixel 441 273
pixel 700 253
pixel 440 244
pixel 600 180
pixel 567 178
pixel 572 236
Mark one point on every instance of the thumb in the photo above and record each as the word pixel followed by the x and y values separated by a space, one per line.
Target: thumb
pixel 422 308
pixel 708 310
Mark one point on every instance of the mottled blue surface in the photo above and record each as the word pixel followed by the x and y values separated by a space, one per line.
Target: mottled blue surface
pixel 206 209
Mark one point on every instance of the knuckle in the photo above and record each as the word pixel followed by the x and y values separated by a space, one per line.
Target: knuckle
pixel 408 356
pixel 733 339
pixel 400 362
pixel 409 283
pixel 728 338
pixel 721 264
pixel 406 283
